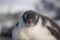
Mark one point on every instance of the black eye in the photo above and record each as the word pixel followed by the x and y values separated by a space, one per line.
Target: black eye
pixel 27 17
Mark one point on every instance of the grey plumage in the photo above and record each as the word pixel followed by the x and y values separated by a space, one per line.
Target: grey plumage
pixel 55 29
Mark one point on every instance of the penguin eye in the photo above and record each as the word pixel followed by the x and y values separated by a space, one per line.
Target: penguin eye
pixel 26 16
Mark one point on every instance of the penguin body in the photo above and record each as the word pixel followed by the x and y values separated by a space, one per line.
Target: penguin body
pixel 33 26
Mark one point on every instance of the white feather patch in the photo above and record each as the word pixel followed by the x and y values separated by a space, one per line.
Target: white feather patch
pixel 37 32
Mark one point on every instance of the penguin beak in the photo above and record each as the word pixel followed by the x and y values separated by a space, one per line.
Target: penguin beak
pixel 30 21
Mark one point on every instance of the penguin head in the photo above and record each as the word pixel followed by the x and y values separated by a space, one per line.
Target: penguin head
pixel 30 17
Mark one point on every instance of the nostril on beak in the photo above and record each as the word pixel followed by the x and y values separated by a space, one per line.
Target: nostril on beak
pixel 30 21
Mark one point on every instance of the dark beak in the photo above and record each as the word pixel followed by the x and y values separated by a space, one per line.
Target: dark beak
pixel 29 21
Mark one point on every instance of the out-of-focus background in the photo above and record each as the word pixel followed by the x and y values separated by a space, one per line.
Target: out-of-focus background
pixel 11 10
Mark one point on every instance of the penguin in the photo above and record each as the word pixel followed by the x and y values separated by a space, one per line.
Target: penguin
pixel 34 26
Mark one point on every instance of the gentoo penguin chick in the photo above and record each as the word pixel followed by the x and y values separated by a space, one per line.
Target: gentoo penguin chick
pixel 34 26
